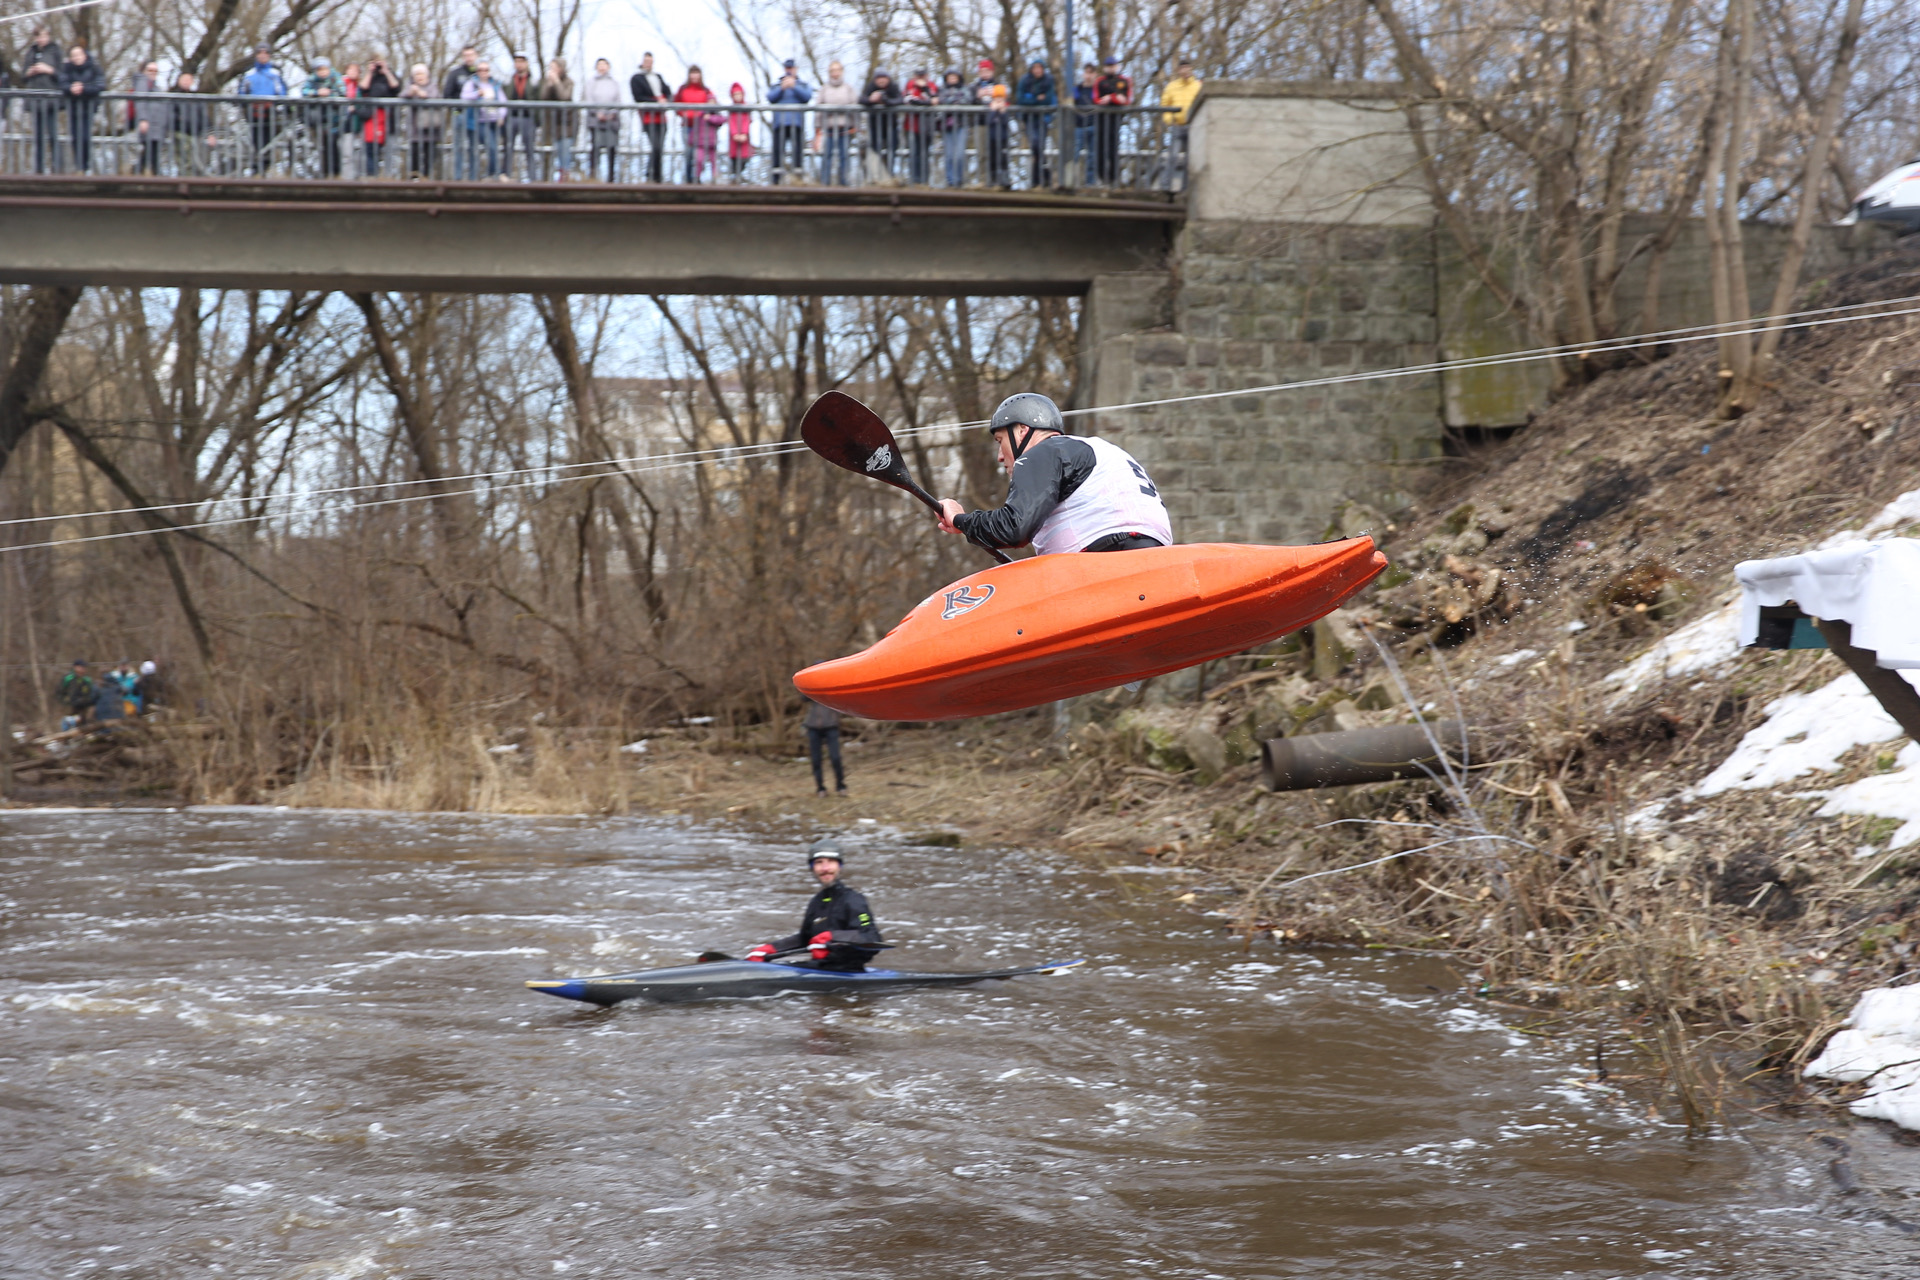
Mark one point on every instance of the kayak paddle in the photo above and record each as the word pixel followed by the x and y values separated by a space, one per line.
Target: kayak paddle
pixel 851 436
pixel 711 957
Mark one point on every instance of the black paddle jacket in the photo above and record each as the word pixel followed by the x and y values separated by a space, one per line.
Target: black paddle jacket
pixel 842 910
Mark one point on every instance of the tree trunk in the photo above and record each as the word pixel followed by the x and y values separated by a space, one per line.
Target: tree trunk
pixel 48 307
pixel 1812 179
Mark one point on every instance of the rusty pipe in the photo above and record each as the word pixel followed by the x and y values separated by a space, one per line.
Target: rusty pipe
pixel 1354 756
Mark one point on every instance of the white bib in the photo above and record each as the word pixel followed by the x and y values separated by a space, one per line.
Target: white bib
pixel 1117 498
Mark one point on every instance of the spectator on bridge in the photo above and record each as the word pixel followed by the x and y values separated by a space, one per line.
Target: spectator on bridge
pixel 881 97
pixel 1085 130
pixel 481 88
pixel 1034 92
pixel 263 80
pixel 916 124
pixel 1179 92
pixel 739 133
pixel 954 126
pixel 426 126
pixel 192 125
pixel 521 87
pixel 789 127
pixel 325 119
pixel 999 131
pixel 648 85
pixel 149 117
pixel 603 126
pixel 82 81
pixel 703 127
pixel 40 72
pixel 559 124
pixel 464 132
pixel 377 84
pixel 834 129
pixel 1112 90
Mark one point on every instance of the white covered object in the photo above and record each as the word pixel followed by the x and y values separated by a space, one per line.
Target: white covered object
pixel 1880 1044
pixel 1875 586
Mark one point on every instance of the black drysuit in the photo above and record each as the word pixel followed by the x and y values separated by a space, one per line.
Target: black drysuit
pixel 842 910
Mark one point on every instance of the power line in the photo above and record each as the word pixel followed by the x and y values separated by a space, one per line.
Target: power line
pixel 1822 318
pixel 725 452
pixel 41 13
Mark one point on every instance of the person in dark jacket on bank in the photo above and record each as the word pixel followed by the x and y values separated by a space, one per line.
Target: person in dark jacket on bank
pixel 838 928
pixel 822 724
pixel 81 83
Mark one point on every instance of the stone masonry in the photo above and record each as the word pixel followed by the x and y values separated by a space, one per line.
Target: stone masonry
pixel 1261 301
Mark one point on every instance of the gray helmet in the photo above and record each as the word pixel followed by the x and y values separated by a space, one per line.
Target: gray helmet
pixel 1027 409
pixel 829 848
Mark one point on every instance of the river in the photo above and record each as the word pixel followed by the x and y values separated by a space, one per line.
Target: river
pixel 296 1044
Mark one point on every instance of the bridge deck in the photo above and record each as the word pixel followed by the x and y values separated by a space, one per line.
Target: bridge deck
pixel 572 237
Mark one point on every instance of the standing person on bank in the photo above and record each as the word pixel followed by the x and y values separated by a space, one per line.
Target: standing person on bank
pixel 838 925
pixel 1065 493
pixel 76 693
pixel 822 724
pixel 648 85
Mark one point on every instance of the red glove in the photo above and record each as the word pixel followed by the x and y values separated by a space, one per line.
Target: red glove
pixel 762 952
pixel 818 944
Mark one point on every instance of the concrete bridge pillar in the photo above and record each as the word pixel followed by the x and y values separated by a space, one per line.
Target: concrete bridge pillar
pixel 1308 253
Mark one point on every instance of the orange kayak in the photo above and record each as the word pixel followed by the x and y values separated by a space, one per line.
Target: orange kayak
pixel 1021 634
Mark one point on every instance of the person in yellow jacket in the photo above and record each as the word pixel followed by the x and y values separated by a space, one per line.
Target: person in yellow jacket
pixel 1179 92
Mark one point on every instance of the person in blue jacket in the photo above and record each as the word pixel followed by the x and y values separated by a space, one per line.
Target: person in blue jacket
pixel 789 127
pixel 1036 90
pixel 263 80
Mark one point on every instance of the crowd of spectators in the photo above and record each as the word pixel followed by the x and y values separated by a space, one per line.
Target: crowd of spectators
pixel 348 117
pixel 117 693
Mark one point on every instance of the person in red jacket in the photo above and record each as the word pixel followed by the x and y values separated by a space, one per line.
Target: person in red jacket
pixel 1111 90
pixel 702 126
pixel 739 133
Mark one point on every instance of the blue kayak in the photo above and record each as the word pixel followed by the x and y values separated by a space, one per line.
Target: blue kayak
pixel 748 979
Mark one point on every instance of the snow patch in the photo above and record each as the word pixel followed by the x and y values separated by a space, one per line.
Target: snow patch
pixel 1879 1044
pixel 1517 656
pixel 1804 733
pixel 1903 510
pixel 1884 795
pixel 1701 645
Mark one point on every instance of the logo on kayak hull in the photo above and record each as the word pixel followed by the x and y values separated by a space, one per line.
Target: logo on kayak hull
pixel 881 459
pixel 961 599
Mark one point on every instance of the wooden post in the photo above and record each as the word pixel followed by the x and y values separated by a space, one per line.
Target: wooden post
pixel 1900 699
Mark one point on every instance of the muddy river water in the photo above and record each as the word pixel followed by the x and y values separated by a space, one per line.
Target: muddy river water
pixel 286 1044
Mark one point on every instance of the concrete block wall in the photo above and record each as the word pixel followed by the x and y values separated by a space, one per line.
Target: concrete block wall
pixel 1303 258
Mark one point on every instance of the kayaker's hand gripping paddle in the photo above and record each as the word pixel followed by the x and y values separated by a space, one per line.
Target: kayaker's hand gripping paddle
pixel 851 436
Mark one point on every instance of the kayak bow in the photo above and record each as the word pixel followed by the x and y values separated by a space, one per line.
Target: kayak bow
pixel 746 979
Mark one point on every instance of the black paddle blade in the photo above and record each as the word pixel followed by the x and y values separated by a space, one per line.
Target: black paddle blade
pixel 851 436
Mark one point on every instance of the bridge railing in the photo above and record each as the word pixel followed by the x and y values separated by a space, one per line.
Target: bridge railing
pixel 1133 149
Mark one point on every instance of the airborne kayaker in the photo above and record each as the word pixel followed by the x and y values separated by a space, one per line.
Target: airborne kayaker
pixel 1066 492
pixel 838 926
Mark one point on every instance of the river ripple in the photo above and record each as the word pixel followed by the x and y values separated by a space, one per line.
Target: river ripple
pixel 295 1044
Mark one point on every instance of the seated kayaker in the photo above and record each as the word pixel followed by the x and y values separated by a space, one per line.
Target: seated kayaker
pixel 1067 493
pixel 837 921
